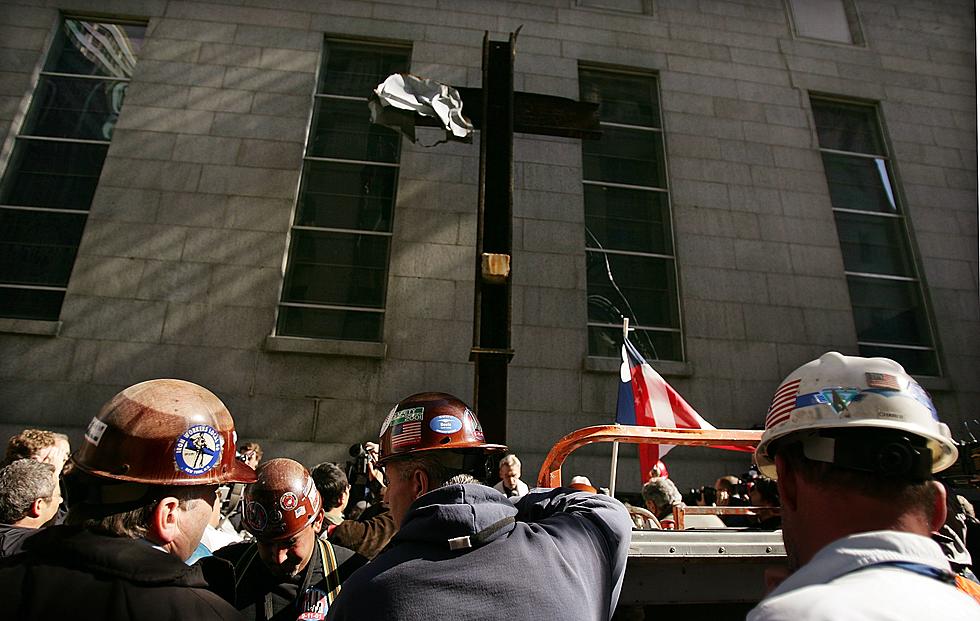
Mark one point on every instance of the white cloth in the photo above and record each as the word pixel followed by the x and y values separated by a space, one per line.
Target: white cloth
pixel 215 539
pixel 522 489
pixel 830 587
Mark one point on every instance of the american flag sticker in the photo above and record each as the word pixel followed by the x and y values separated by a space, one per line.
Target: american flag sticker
pixel 882 380
pixel 406 427
pixel 783 403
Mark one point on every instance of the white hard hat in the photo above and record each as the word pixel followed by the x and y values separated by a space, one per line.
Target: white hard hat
pixel 850 392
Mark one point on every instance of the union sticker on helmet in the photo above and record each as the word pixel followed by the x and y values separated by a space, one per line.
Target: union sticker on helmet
pixel 288 501
pixel 198 450
pixel 255 516
pixel 95 430
pixel 299 512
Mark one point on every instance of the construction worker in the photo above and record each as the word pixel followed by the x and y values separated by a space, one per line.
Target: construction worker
pixel 854 442
pixel 463 549
pixel 287 572
pixel 147 475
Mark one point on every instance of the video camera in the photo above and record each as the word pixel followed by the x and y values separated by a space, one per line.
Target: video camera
pixel 362 486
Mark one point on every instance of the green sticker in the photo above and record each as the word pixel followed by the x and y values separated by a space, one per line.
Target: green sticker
pixel 408 416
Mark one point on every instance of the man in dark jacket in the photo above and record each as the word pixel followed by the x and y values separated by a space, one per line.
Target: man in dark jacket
pixel 29 498
pixel 463 550
pixel 287 573
pixel 148 471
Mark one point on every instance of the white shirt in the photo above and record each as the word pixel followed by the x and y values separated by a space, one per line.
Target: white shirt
pixel 521 489
pixel 830 587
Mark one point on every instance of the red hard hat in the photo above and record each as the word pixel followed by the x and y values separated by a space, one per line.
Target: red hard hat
pixel 282 502
pixel 431 421
pixel 163 432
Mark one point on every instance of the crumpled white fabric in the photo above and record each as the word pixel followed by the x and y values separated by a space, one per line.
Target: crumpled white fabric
pixel 426 97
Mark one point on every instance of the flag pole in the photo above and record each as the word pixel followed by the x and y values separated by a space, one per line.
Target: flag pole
pixel 614 462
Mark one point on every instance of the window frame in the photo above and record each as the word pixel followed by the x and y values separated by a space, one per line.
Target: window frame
pixel 900 214
pixel 664 191
pixel 287 263
pixel 18 138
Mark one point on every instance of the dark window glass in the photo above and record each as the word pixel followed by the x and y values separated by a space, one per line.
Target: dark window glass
pixel 75 108
pixel 653 344
pixel 347 196
pixel 330 323
pixel 846 127
pixel 645 289
pixel 38 247
pixel 625 226
pixel 30 303
pixel 337 268
pixel 859 183
pixel 60 175
pixel 629 156
pixel 50 168
pixel 332 268
pixel 922 360
pixel 343 129
pixel 873 245
pixel 93 48
pixel 888 311
pixel 354 69
pixel 630 100
pixel 622 219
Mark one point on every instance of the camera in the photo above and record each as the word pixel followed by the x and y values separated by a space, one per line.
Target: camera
pixel 362 486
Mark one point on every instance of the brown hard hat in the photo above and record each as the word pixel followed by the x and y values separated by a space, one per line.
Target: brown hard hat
pixel 431 421
pixel 282 502
pixel 163 432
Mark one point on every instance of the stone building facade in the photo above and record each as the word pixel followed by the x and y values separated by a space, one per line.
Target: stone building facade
pixel 814 188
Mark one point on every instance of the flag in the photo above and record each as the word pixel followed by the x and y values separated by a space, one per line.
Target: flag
pixel 645 398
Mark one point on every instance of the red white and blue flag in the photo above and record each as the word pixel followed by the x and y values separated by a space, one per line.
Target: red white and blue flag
pixel 645 398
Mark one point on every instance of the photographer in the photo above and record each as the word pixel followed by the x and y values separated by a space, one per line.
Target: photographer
pixel 374 526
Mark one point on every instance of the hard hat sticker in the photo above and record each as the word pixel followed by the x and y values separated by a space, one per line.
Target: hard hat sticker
pixel 95 430
pixel 255 516
pixel 445 424
pixel 384 425
pixel 315 605
pixel 299 512
pixel 288 501
pixel 470 418
pixel 882 380
pixel 198 450
pixel 406 433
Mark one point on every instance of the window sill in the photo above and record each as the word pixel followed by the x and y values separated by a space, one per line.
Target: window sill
pixel 30 326
pixel 325 347
pixel 666 368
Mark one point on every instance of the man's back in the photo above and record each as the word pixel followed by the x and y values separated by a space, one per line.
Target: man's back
pixel 460 554
pixel 71 573
pixel 881 575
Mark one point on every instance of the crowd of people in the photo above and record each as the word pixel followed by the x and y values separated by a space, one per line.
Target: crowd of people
pixel 161 514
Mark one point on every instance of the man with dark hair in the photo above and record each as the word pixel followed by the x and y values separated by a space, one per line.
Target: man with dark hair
pixel 287 572
pixel 29 498
pixel 852 443
pixel 459 541
pixel 147 475
pixel 366 535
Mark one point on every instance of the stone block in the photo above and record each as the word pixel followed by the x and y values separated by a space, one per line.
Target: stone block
pixel 709 170
pixel 773 324
pixel 180 50
pixel 422 298
pixel 546 390
pixel 746 152
pixel 116 277
pixel 270 154
pixel 537 347
pixel 550 307
pixel 445 340
pixel 191 209
pixel 233 247
pixel 546 150
pixel 179 74
pixel 29 358
pixel 206 149
pixel 130 321
pixel 233 55
pixel 298 375
pixel 242 181
pixel 174 281
pixel 555 206
pixel 240 285
pixel 219 99
pixel 431 167
pixel 702 125
pixel 237 327
pixel 150 174
pixel 544 177
pixel 166 119
pixel 709 283
pixel 270 104
pixel 125 204
pixel 818 292
pixel 698 194
pixel 949 274
pixel 805 232
pixel 704 251
pixel 258 214
pixel 442 196
pixel 194 30
pixel 718 320
pixel 739 109
pixel 761 256
pixel 776 134
pixel 675 101
pixel 694 84
pixel 288 129
pixel 424 225
pixel 683 145
pixel 109 238
pixel 160 95
pixel 806 204
pixel 829 328
pixel 547 270
pixel 269 80
pixel 550 236
pixel 282 38
pixel 22 38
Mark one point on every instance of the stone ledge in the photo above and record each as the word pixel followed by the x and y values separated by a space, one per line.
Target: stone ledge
pixel 30 326
pixel 325 347
pixel 666 368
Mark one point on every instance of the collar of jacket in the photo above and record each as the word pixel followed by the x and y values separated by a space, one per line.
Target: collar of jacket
pixel 457 511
